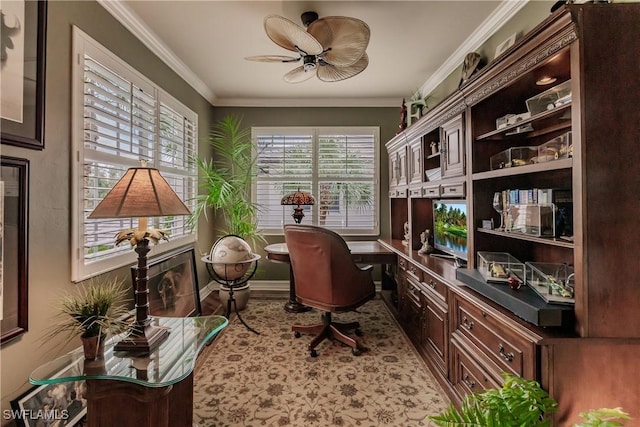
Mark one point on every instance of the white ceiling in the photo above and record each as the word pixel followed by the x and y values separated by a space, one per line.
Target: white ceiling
pixel 414 45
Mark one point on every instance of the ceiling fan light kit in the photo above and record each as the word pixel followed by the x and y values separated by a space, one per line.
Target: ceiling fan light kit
pixel 331 48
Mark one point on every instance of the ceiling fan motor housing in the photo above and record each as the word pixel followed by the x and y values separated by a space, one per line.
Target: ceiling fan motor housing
pixel 309 62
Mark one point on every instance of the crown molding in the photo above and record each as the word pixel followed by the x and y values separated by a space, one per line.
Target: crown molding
pixel 140 30
pixel 504 12
pixel 302 102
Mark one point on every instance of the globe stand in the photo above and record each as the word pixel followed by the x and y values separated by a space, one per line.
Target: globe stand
pixel 229 269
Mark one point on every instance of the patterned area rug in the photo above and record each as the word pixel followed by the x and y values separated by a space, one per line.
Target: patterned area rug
pixel 270 379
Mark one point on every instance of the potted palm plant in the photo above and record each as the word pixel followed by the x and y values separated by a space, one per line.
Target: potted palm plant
pixel 226 181
pixel 94 311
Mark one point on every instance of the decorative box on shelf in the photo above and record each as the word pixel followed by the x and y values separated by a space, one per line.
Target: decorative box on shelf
pixel 550 99
pixel 511 119
pixel 514 156
pixel 433 174
pixel 557 148
pixel 532 219
pixel 552 281
pixel 497 267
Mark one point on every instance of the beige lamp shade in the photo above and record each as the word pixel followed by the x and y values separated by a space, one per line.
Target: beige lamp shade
pixel 141 192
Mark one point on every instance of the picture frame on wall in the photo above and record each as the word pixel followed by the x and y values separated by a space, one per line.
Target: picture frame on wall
pixel 173 284
pixel 15 213
pixel 502 47
pixel 61 403
pixel 23 73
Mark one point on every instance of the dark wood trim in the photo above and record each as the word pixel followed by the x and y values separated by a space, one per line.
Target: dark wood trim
pixel 22 249
pixel 37 141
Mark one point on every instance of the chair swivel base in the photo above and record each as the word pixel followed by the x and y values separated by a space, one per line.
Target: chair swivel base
pixel 331 330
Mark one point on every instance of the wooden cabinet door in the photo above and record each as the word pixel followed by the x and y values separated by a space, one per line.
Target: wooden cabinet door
pixel 452 149
pixel 415 162
pixel 398 167
pixel 435 331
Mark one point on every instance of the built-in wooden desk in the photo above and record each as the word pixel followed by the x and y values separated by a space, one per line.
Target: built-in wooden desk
pixel 365 252
pixel 126 390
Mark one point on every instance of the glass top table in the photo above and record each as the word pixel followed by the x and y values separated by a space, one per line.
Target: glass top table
pixel 172 361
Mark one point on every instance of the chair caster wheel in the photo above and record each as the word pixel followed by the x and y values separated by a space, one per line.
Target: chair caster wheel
pixel 359 332
pixel 313 353
pixel 297 334
pixel 356 351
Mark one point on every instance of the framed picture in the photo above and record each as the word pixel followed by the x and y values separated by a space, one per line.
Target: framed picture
pixel 23 72
pixel 502 47
pixel 61 404
pixel 14 242
pixel 173 284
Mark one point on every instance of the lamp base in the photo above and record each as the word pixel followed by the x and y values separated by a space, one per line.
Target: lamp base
pixel 145 342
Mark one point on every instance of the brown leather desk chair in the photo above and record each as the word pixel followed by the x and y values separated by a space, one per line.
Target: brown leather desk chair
pixel 327 279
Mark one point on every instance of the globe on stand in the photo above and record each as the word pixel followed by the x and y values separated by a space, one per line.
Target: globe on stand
pixel 229 255
pixel 233 263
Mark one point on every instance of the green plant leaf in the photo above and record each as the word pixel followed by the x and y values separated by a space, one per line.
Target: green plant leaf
pixel 226 180
pixel 519 402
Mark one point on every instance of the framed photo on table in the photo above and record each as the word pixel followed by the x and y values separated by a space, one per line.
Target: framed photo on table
pixel 23 72
pixel 173 284
pixel 14 214
pixel 52 404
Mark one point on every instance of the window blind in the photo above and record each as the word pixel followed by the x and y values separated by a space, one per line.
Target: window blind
pixel 120 119
pixel 338 166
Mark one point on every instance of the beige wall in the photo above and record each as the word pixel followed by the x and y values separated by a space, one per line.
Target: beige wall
pixel 50 177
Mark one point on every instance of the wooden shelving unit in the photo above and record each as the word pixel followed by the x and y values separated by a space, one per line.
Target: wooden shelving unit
pixel 460 329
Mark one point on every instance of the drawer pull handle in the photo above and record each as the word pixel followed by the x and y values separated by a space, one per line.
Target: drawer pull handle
pixel 468 382
pixel 484 314
pixel 468 324
pixel 432 284
pixel 506 356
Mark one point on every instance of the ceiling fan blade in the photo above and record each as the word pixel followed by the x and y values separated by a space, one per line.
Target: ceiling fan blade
pixel 288 35
pixel 347 37
pixel 272 58
pixel 331 73
pixel 299 74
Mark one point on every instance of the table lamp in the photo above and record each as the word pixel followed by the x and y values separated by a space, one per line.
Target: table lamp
pixel 298 198
pixel 142 192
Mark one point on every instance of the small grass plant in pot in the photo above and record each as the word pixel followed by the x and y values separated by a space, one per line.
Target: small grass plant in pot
pixel 94 311
pixel 226 180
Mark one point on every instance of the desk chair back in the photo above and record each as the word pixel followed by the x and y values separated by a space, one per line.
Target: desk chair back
pixel 325 275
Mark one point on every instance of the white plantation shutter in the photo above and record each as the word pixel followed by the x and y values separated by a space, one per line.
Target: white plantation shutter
pixel 120 118
pixel 337 165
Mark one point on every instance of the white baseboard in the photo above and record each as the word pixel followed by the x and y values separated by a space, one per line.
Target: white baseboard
pixel 265 286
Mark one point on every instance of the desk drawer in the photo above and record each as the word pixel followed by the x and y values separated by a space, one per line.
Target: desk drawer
pixel 437 286
pixel 468 375
pixel 410 268
pixel 431 191
pixel 493 335
pixel 453 190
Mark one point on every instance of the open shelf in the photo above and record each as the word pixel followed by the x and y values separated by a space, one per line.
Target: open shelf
pixel 554 114
pixel 544 240
pixel 520 170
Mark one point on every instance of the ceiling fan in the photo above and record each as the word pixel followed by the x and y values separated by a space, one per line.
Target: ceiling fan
pixel 331 48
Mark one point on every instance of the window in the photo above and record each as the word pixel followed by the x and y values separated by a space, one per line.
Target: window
pixel 120 118
pixel 339 166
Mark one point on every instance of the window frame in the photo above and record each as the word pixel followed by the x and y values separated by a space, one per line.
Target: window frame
pixel 316 132
pixel 81 269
